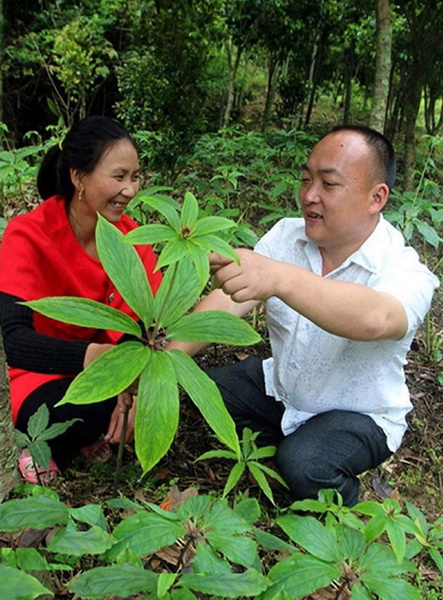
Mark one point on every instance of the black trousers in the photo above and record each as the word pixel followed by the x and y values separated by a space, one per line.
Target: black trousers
pixel 94 418
pixel 328 451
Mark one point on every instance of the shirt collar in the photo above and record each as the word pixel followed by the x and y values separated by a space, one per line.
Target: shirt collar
pixel 370 255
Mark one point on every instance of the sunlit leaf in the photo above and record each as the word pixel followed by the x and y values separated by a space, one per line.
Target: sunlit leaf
pixel 165 205
pixel 311 535
pixel 171 303
pixel 208 225
pixel 109 374
pixel 213 243
pixel 85 313
pixel 213 326
pixel 125 269
pixel 38 513
pixel 206 396
pixel 18 585
pixel 173 251
pixel 189 213
pixel 80 543
pixel 230 585
pixel 150 234
pixel 157 410
pixel 120 580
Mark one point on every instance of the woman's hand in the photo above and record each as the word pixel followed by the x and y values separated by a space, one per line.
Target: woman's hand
pixel 126 403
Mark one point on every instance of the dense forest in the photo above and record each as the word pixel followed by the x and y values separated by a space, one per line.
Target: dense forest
pixel 225 99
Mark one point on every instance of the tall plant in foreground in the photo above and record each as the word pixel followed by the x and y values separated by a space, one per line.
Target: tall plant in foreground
pixel 160 372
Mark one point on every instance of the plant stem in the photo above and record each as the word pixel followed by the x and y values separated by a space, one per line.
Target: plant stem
pixel 121 448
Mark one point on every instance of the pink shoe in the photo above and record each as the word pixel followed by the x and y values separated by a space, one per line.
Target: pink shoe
pixel 29 473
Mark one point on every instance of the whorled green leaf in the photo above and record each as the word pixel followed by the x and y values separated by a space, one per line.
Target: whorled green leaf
pixel 206 396
pixel 375 527
pixel 248 509
pixel 189 212
pixel 150 234
pixel 207 561
pixel 85 313
pixel 381 559
pixel 38 421
pixel 397 537
pixel 29 559
pixel 144 533
pixel 122 580
pixel 359 592
pixel 125 269
pixel 208 225
pixel 300 575
pixel 231 585
pixel 18 585
pixel 165 205
pixel 109 374
pixel 272 473
pixel 172 252
pixel 389 588
pixel 38 513
pixel 81 543
pixel 351 542
pixel 261 480
pixel 436 556
pixel 239 549
pixel 41 453
pixel 164 582
pixel 234 477
pixel 217 454
pixel 200 260
pixel 311 535
pixel 213 243
pixel 56 429
pixel 428 232
pixel 214 326
pixel 225 521
pixel 171 303
pixel 21 439
pixel 271 541
pixel 158 410
pixel 92 514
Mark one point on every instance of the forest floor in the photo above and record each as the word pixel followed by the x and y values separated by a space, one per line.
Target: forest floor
pixel 413 474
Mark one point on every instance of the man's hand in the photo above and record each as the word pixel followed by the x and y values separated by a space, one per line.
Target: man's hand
pixel 126 403
pixel 256 278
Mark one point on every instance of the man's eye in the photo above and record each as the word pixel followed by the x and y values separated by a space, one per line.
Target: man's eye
pixel 329 184
pixel 305 180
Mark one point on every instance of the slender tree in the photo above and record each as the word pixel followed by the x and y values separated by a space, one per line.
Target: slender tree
pixel 8 452
pixel 382 65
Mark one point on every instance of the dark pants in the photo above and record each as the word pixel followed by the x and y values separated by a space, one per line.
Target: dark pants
pixel 328 451
pixel 94 418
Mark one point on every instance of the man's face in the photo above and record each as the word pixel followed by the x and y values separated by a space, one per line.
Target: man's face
pixel 338 194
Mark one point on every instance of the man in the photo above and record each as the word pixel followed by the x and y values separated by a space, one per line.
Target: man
pixel 344 298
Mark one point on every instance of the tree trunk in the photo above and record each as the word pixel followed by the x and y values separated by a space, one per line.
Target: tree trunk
pixel 269 91
pixel 412 106
pixel 9 477
pixel 312 80
pixel 382 65
pixel 349 76
pixel 233 65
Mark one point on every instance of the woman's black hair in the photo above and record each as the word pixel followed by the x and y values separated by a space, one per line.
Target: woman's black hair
pixel 82 149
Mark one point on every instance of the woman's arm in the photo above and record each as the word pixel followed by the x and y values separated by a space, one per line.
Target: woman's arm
pixel 31 351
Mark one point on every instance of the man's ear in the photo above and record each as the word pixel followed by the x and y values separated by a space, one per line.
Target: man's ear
pixel 380 195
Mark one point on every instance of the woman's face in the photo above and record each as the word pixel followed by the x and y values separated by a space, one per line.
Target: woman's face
pixel 110 186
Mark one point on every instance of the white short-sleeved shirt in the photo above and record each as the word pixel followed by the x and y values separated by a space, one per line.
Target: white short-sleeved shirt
pixel 312 371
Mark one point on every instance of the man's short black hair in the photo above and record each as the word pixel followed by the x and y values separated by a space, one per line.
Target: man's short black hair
pixel 382 148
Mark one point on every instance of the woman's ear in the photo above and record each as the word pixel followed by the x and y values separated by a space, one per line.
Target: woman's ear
pixel 380 195
pixel 77 179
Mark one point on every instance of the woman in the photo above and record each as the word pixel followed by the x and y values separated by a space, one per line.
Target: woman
pixel 51 251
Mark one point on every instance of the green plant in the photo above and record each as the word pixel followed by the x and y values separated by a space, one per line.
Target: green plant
pixel 212 549
pixel 250 455
pixel 36 440
pixel 159 371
